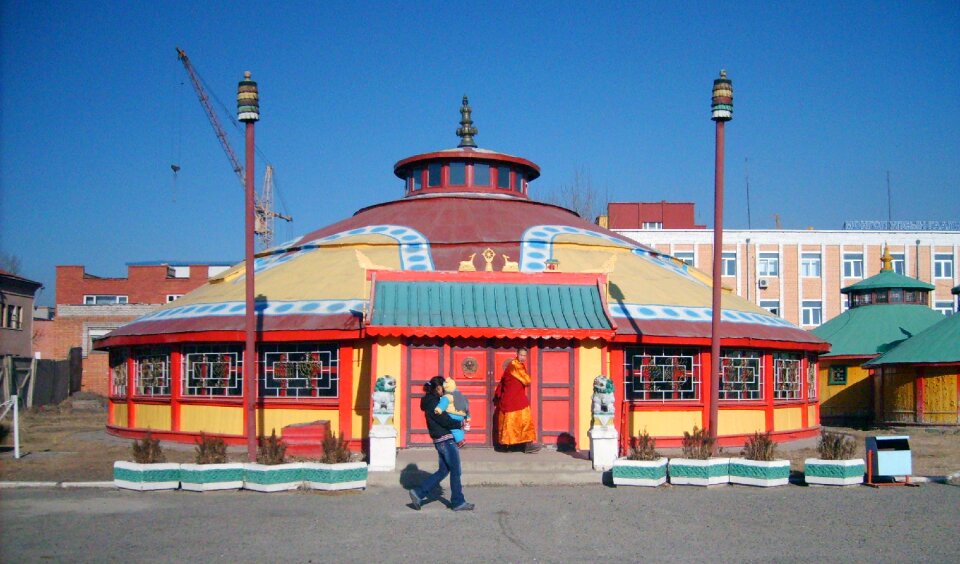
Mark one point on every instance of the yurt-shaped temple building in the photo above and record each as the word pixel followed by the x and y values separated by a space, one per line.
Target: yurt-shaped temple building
pixel 449 280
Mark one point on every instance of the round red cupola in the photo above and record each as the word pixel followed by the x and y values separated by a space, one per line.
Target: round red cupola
pixel 466 169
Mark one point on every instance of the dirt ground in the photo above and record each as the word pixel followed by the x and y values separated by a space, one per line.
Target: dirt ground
pixel 68 442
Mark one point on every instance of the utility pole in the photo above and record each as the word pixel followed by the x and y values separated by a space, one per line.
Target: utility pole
pixel 889 205
pixel 721 112
pixel 248 111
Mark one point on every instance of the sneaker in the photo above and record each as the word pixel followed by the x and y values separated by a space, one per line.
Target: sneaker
pixel 531 448
pixel 465 506
pixel 414 499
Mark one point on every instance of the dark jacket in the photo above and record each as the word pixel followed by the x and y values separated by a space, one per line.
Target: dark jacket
pixel 440 424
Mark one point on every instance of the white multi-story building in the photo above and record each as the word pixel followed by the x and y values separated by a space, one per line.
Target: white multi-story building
pixel 798 274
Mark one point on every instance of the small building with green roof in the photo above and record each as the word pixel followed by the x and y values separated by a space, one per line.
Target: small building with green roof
pixel 885 310
pixel 917 380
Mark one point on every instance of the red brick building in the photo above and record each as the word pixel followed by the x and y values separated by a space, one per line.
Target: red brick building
pixel 651 215
pixel 90 306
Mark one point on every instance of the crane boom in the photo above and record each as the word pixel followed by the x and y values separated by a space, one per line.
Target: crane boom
pixel 211 115
pixel 264 204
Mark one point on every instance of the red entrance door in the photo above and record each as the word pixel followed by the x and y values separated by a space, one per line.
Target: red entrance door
pixel 555 372
pixel 470 368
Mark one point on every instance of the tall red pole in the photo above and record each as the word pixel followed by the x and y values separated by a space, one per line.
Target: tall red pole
pixel 722 112
pixel 248 110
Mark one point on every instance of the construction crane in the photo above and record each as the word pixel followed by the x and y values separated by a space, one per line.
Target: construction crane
pixel 263 205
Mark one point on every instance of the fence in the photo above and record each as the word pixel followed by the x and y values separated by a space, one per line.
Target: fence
pixel 38 382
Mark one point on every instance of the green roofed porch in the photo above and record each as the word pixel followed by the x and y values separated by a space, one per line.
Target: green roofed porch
pixel 490 304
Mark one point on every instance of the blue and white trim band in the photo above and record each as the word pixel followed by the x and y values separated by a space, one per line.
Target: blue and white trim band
pixel 703 314
pixel 537 248
pixel 413 246
pixel 272 308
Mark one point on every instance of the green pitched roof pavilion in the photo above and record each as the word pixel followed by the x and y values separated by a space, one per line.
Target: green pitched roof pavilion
pixel 938 344
pixel 867 331
pixel 887 279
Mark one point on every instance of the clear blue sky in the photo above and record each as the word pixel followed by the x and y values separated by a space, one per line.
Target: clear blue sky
pixel 95 108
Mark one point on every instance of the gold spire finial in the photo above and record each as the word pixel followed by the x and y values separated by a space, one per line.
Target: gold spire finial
pixel 886 259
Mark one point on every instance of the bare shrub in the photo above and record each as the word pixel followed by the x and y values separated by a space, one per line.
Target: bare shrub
pixel 836 446
pixel 697 445
pixel 148 450
pixel 210 450
pixel 760 447
pixel 335 450
pixel 644 447
pixel 272 450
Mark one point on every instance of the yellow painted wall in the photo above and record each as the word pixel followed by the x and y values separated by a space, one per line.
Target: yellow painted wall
pixel 277 419
pixel 389 362
pixel 740 421
pixel 664 423
pixel 155 417
pixel 899 401
pixel 211 419
pixel 787 418
pixel 812 420
pixel 940 396
pixel 590 365
pixel 361 389
pixel 120 415
pixel 855 399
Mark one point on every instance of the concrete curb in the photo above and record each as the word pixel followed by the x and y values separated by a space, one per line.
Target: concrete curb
pixel 63 485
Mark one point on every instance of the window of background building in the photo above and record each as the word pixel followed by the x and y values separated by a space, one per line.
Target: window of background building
pixel 503 177
pixel 945 308
pixel 173 297
pixel 686 256
pixel 899 262
pixel 103 299
pixel 654 225
pixel 433 175
pixel 178 271
pixel 215 270
pixel 811 313
pixel 844 303
pixel 769 264
pixel 11 316
pixel 773 306
pixel 481 174
pixel 728 264
pixel 94 333
pixel 853 265
pixel 810 265
pixel 942 265
pixel 458 174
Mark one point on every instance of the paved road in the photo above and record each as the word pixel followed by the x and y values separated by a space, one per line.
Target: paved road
pixel 513 524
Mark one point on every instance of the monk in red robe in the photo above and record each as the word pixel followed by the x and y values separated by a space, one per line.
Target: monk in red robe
pixel 514 421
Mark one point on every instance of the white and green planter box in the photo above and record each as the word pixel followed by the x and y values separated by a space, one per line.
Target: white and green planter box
pixel 146 477
pixel 207 477
pixel 695 472
pixel 834 472
pixel 342 476
pixel 639 472
pixel 272 477
pixel 763 473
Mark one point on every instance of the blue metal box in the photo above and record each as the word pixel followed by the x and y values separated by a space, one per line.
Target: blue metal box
pixel 891 455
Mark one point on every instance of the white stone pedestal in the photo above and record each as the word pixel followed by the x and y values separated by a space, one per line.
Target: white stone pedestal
pixel 383 448
pixel 603 446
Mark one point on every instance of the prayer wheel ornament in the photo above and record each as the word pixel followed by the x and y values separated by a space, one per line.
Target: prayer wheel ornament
pixel 248 100
pixel 722 106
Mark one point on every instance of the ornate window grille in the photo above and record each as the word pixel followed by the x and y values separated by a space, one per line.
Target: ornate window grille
pixel 212 371
pixel 152 372
pixel 811 377
pixel 118 373
pixel 662 374
pixel 304 370
pixel 786 376
pixel 742 378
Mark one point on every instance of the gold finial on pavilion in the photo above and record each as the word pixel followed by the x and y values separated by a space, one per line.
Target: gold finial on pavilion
pixel 886 259
pixel 466 131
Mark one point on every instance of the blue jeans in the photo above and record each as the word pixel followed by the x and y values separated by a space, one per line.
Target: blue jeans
pixel 449 455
